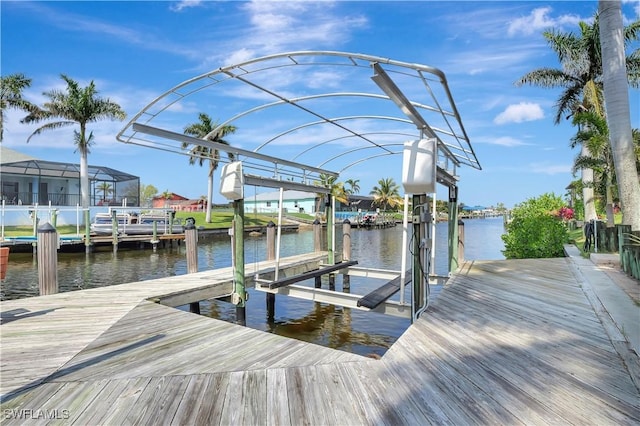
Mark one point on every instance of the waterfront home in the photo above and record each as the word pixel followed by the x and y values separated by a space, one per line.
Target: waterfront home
pixel 28 180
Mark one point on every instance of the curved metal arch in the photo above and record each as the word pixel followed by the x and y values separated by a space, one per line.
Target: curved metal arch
pixel 285 102
pixel 384 154
pixel 306 98
pixel 335 157
pixel 226 71
pixel 315 123
pixel 241 71
pixel 350 136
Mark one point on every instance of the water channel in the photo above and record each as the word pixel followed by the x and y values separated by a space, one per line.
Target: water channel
pixel 351 330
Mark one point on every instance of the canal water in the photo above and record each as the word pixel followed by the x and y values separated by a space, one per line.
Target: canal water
pixel 351 330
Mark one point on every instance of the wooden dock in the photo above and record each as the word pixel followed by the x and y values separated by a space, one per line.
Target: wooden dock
pixel 505 342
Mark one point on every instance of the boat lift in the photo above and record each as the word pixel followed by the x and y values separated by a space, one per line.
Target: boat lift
pixel 431 157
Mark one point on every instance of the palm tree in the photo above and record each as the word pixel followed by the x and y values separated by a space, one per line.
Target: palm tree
pixel 615 82
pixel 594 135
pixel 387 194
pixel 337 189
pixel 106 189
pixel 11 88
pixel 354 186
pixel 76 105
pixel 198 153
pixel 581 78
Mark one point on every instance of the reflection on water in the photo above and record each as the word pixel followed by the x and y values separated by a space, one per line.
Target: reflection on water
pixel 341 328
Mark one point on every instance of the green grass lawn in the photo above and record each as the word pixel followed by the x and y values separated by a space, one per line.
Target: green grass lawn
pixel 224 219
pixel 219 220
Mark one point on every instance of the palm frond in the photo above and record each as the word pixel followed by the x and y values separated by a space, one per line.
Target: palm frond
pixel 51 126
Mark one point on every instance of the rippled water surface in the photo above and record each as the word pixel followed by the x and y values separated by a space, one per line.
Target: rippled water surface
pixel 347 329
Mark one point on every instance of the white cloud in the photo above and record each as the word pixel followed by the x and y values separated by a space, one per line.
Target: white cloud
pixel 550 169
pixel 184 4
pixel 538 20
pixel 491 58
pixel 524 111
pixel 284 26
pixel 506 141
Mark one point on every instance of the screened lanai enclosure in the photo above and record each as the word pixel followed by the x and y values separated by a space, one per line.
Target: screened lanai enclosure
pixel 32 181
pixel 306 119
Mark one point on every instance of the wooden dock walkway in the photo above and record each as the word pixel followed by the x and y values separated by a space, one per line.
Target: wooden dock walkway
pixel 505 342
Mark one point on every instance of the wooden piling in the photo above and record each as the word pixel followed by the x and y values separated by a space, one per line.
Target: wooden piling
pixel 4 262
pixel 460 242
pixel 317 245
pixel 317 236
pixel 47 259
pixel 271 255
pixel 346 252
pixel 87 231
pixel 331 230
pixel 154 239
pixel 191 243
pixel 331 238
pixel 114 230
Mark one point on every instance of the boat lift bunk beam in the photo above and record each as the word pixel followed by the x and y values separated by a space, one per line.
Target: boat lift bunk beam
pixel 308 275
pixel 337 298
pixel 375 298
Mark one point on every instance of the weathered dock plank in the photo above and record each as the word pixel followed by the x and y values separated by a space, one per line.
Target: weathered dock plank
pixel 505 342
pixel 51 330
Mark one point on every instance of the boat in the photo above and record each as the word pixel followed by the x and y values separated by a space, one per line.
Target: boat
pixel 137 224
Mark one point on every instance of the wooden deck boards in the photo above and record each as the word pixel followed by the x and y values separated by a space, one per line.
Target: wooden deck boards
pixel 505 342
pixel 41 334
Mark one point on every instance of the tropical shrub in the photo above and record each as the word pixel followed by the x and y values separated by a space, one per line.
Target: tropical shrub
pixel 536 229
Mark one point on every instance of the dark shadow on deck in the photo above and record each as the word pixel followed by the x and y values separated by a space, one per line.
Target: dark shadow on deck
pixel 64 371
pixel 16 314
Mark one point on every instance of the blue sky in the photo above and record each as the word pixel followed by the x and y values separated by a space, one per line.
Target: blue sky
pixel 135 51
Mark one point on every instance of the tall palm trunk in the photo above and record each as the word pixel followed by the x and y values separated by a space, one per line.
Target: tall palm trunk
pixel 616 97
pixel 588 194
pixel 84 179
pixel 84 168
pixel 609 207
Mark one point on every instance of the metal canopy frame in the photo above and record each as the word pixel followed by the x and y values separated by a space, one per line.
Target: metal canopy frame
pixel 422 106
pixel 304 116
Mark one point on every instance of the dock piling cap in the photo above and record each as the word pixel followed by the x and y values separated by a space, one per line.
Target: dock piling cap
pixel 46 228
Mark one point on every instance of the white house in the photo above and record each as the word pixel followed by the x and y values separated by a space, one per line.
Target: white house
pixel 292 202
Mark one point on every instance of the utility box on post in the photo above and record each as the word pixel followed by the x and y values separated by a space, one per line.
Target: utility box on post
pixel 232 181
pixel 419 166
